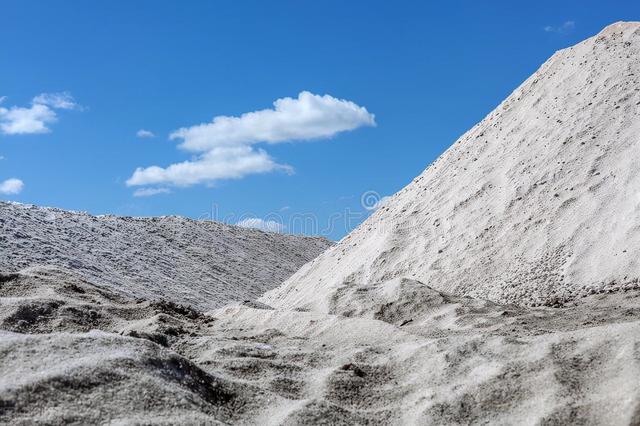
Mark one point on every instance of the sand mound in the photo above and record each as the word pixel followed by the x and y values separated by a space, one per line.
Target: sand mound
pixel 80 354
pixel 201 263
pixel 98 376
pixel 462 363
pixel 103 357
pixel 532 206
pixel 536 204
pixel 50 299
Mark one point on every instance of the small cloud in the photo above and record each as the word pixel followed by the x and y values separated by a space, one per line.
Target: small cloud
pixel 24 121
pixel 263 225
pixel 2 99
pixel 566 27
pixel 142 133
pixel 62 100
pixel 285 208
pixel 36 118
pixel 219 163
pixel 225 148
pixel 11 186
pixel 149 192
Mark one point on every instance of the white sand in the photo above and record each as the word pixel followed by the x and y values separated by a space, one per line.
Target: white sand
pixel 421 316
pixel 201 263
pixel 538 203
pixel 411 355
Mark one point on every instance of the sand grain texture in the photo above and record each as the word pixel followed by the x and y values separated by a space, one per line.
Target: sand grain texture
pixel 201 263
pixel 499 287
pixel 536 204
pixel 75 353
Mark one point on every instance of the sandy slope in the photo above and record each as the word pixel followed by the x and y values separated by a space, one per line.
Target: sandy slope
pixel 382 328
pixel 202 263
pixel 73 352
pixel 538 203
pixel 412 355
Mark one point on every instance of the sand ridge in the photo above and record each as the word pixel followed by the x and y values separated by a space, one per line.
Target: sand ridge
pixel 201 263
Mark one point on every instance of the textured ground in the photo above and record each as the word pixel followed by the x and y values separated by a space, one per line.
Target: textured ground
pixel 536 204
pixel 72 352
pixel 201 263
pixel 500 287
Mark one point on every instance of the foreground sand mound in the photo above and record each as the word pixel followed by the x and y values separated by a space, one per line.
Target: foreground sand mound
pixel 537 204
pixel 87 379
pixel 76 353
pixel 202 263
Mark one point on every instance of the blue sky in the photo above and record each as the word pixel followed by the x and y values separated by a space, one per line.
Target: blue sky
pixel 404 80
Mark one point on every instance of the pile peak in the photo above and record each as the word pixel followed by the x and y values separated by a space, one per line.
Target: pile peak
pixel 536 204
pixel 621 26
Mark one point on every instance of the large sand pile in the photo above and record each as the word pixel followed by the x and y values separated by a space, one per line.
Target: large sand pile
pixel 536 204
pixel 201 263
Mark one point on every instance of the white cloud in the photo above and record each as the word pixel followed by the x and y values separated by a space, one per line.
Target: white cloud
pixel 263 225
pixel 307 117
pixel 62 100
pixel 219 163
pixel 149 192
pixel 11 186
pixel 567 26
pixel 142 133
pixel 224 147
pixel 34 119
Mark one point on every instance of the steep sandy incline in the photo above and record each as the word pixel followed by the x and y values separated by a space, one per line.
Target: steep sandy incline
pixel 537 204
pixel 204 264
